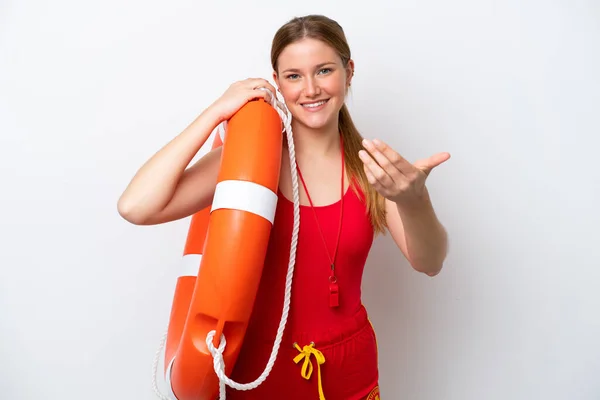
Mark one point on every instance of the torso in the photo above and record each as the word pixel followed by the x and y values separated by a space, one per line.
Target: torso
pixel 322 177
pixel 310 288
pixel 310 316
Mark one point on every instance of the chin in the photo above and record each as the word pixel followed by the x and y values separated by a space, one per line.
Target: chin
pixel 315 123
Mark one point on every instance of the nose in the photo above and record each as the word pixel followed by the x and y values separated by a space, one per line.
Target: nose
pixel 311 88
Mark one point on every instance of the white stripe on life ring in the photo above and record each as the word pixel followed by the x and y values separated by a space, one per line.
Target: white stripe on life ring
pixel 190 265
pixel 245 196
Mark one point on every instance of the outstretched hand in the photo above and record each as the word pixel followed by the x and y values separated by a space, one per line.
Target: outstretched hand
pixel 392 175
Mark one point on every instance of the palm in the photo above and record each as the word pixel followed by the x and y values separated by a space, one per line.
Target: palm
pixel 393 176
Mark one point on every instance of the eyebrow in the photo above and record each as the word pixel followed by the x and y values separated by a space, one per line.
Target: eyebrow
pixel 317 67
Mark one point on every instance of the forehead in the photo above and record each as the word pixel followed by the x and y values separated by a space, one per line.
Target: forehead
pixel 305 54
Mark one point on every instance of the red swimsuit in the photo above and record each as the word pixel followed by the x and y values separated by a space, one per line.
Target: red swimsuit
pixel 342 334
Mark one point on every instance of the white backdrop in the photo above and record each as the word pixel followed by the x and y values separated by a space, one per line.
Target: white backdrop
pixel 89 90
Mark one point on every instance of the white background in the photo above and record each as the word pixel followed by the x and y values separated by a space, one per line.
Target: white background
pixel 90 90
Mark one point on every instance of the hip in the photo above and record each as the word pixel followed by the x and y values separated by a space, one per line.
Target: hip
pixel 340 360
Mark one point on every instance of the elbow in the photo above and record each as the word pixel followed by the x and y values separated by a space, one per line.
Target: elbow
pixel 128 212
pixel 430 270
pixel 433 272
pixel 431 266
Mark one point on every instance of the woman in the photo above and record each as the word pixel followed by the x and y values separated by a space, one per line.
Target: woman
pixel 351 190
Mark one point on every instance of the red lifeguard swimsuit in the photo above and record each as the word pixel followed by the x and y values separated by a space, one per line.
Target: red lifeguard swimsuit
pixel 342 334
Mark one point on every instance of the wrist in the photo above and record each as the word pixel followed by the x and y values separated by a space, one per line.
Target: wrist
pixel 414 203
pixel 213 113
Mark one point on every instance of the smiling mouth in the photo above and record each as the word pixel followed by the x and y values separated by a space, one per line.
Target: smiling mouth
pixel 314 104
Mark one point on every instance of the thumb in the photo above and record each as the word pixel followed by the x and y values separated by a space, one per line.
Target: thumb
pixel 426 165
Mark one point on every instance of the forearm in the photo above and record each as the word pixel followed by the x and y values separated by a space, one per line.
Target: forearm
pixel 155 182
pixel 426 238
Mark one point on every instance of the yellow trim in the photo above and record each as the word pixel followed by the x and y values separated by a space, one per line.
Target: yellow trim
pixel 307 367
pixel 374 395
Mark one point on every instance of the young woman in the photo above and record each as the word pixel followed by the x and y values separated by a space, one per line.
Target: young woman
pixel 351 189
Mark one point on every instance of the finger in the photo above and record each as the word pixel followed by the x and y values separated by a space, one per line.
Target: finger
pixel 430 163
pixel 386 161
pixel 255 83
pixel 376 184
pixel 259 93
pixel 270 95
pixel 402 164
pixel 267 86
pixel 378 173
pixel 264 93
pixel 370 178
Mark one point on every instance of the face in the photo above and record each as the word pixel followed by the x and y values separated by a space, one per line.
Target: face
pixel 313 81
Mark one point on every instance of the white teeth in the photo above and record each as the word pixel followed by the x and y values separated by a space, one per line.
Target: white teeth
pixel 312 105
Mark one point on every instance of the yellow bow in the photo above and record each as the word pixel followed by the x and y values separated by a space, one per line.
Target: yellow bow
pixel 307 367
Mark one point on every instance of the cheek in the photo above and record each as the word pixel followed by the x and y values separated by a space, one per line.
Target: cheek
pixel 291 94
pixel 336 87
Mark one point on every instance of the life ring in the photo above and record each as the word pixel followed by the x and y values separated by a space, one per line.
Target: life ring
pixel 188 273
pixel 224 256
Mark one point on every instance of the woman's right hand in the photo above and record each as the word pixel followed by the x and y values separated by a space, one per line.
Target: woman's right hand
pixel 238 94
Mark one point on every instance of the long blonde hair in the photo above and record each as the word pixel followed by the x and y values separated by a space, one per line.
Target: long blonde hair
pixel 330 32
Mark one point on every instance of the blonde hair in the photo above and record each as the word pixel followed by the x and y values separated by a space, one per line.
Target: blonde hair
pixel 330 32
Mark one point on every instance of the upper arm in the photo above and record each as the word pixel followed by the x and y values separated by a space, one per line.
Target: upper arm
pixel 194 192
pixel 395 226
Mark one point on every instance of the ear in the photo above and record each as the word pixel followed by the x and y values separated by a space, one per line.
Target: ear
pixel 349 72
pixel 276 80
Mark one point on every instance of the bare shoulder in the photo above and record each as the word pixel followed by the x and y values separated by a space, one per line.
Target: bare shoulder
pixel 195 190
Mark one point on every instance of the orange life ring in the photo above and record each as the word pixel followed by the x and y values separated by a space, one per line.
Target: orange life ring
pixel 188 273
pixel 225 248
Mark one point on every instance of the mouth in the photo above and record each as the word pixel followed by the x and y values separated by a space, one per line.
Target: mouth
pixel 314 104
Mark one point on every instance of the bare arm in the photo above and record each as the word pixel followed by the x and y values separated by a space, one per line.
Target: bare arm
pixel 410 216
pixel 163 189
pixel 418 233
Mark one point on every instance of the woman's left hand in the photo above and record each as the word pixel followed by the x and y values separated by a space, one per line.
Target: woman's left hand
pixel 393 176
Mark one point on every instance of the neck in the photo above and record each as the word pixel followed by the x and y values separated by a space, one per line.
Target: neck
pixel 310 143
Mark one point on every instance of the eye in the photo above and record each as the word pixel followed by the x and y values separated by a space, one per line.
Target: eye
pixel 325 70
pixel 292 76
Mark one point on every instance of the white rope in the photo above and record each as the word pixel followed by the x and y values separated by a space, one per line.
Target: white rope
pixel 155 368
pixel 217 353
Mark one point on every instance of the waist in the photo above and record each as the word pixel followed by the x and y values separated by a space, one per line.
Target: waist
pixel 323 331
pixel 333 331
